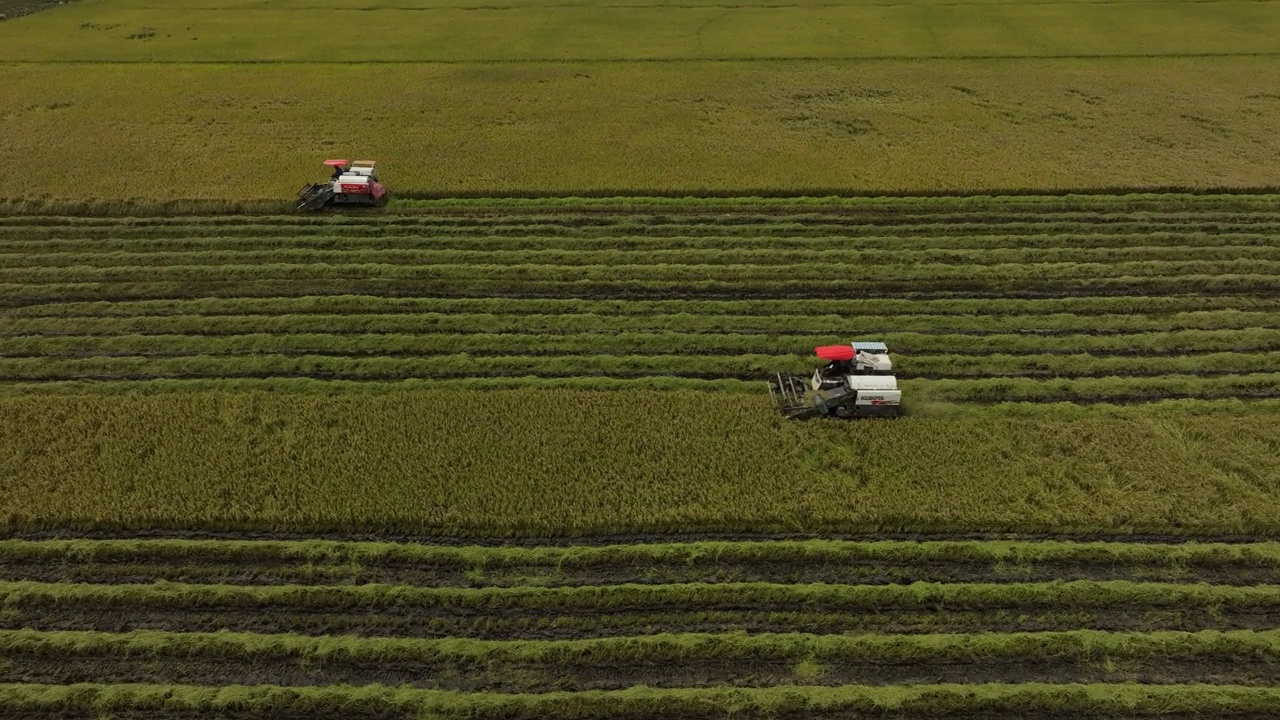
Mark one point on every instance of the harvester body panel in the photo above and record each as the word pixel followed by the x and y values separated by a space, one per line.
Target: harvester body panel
pixel 835 352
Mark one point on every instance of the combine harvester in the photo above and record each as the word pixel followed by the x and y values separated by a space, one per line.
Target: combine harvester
pixel 857 382
pixel 352 183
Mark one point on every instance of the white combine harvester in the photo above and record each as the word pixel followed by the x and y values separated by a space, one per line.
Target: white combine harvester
pixel 857 382
pixel 352 183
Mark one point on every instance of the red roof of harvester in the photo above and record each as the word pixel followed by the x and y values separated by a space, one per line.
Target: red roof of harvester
pixel 835 352
pixel 336 163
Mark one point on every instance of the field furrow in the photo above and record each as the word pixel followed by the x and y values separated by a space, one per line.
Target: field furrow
pixel 604 325
pixel 1241 376
pixel 891 287
pixel 110 247
pixel 749 275
pixel 1240 658
pixel 44 264
pixel 585 623
pixel 1032 701
pixel 617 611
pixel 316 562
pixel 948 311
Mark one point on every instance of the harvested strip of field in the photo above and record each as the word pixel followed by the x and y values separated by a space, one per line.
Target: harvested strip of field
pixel 228 360
pixel 612 611
pixel 622 288
pixel 125 244
pixel 526 372
pixel 993 310
pixel 1031 700
pixel 485 278
pixel 1177 295
pixel 698 660
pixel 814 561
pixel 777 253
pixel 907 327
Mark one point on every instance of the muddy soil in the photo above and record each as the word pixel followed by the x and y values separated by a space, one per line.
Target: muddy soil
pixel 612 539
pixel 591 623
pixel 523 678
pixel 793 571
pixel 352 713
pixel 131 292
pixel 658 713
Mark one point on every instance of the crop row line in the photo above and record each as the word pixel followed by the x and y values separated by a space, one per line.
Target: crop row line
pixel 853 308
pixel 199 359
pixel 798 236
pixel 746 274
pixel 573 235
pixel 685 648
pixel 261 562
pixel 1079 594
pixel 728 212
pixel 953 376
pixel 46 262
pixel 806 239
pixel 1092 200
pixel 953 700
pixel 707 553
pixel 887 287
pixel 1015 395
pixel 466 332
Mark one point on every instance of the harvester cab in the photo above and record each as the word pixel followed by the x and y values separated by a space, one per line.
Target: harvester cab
pixel 857 381
pixel 353 182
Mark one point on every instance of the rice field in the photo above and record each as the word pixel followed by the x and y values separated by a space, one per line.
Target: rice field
pixel 503 449
pixel 179 101
pixel 516 459
pixel 1096 365
pixel 200 628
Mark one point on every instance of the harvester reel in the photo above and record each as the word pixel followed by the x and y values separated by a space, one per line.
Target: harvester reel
pixel 313 197
pixel 788 395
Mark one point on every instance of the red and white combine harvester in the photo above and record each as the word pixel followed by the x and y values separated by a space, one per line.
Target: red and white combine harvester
pixel 857 382
pixel 352 183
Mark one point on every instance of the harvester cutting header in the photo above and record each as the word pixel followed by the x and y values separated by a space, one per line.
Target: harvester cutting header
pixel 353 182
pixel 857 382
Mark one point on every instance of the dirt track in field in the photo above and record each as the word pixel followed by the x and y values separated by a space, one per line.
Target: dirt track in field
pixel 549 624
pixel 614 539
pixel 351 713
pixel 791 571
pixel 517 678
pixel 390 713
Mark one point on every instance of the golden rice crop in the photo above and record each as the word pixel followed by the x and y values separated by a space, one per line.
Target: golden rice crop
pixel 648 30
pixel 693 127
pixel 565 462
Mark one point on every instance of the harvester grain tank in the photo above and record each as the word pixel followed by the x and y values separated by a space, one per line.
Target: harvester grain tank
pixel 857 381
pixel 353 182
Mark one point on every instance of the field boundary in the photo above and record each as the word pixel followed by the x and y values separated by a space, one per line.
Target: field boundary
pixel 605 540
pixel 423 201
